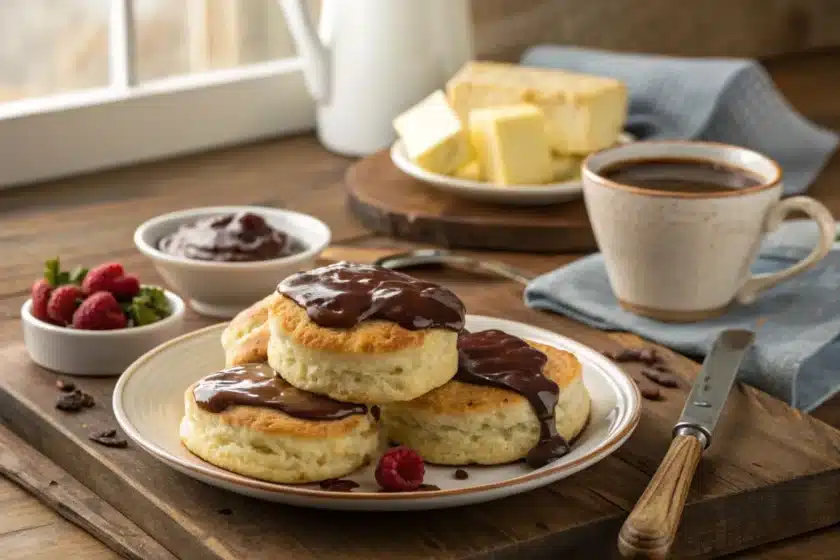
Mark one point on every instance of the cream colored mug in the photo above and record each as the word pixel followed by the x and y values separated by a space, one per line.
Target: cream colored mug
pixel 685 256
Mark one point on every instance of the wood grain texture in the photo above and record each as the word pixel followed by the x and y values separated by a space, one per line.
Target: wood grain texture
pixel 64 495
pixel 749 28
pixel 649 530
pixel 747 482
pixel 388 201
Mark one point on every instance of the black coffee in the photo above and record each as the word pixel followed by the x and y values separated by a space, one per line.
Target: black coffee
pixel 680 175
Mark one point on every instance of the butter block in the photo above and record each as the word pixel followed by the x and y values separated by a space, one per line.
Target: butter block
pixel 470 171
pixel 433 135
pixel 511 144
pixel 584 113
pixel 566 167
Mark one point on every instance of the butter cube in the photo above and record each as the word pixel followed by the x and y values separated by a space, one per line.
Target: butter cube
pixel 566 168
pixel 584 113
pixel 433 136
pixel 470 171
pixel 512 144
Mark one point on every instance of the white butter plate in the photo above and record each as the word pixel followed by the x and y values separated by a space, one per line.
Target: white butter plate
pixel 148 403
pixel 482 191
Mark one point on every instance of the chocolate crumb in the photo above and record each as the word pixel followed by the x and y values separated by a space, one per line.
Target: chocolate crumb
pixel 108 438
pixel 650 392
pixel 65 386
pixel 339 485
pixel 225 511
pixel 661 378
pixel 87 399
pixel 461 474
pixel 623 355
pixel 70 402
pixel 53 483
pixel 648 356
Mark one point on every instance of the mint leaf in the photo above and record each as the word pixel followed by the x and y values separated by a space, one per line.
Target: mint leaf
pixel 78 275
pixel 149 305
pixel 52 268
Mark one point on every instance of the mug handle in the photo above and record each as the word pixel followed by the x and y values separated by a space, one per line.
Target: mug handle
pixel 777 213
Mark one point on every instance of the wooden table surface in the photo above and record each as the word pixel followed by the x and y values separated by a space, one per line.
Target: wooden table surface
pixel 90 219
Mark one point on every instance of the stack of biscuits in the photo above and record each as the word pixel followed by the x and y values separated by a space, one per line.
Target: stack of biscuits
pixel 384 347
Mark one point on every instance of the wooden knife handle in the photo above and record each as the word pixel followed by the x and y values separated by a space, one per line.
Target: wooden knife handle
pixel 649 530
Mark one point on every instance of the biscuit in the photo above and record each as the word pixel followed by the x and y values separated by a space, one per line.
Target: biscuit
pixel 374 362
pixel 245 339
pixel 463 423
pixel 268 444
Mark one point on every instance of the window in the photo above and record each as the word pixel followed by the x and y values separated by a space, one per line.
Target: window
pixel 91 84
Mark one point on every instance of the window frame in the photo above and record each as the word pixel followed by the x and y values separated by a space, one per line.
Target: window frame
pixel 126 123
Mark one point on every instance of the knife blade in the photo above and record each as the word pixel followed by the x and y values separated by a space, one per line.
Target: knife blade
pixel 649 530
pixel 712 385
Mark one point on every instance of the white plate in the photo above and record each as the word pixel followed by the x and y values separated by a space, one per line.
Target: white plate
pixel 148 403
pixel 482 191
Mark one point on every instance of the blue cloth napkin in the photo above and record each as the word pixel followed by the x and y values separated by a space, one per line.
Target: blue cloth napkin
pixel 796 356
pixel 720 99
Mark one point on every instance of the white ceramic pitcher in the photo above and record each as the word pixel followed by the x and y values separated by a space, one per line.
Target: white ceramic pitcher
pixel 371 59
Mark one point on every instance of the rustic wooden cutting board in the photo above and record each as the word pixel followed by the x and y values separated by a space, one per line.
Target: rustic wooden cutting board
pixel 771 473
pixel 388 201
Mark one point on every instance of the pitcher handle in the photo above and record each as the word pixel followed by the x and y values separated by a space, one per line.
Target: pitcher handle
pixel 313 52
pixel 777 213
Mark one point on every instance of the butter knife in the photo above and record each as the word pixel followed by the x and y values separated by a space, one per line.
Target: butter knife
pixel 649 530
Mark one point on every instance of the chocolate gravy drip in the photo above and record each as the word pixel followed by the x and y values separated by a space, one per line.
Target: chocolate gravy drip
pixel 339 485
pixel 343 294
pixel 237 237
pixel 259 385
pixel 501 360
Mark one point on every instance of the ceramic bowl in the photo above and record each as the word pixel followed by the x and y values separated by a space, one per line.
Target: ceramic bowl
pixel 96 353
pixel 223 289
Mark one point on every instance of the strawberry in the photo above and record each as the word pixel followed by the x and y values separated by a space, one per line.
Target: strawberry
pixel 101 278
pixel 63 302
pixel 125 287
pixel 100 311
pixel 41 291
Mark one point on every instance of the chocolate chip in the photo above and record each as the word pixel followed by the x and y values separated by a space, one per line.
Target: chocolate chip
pixel 650 392
pixel 461 474
pixel 662 378
pixel 71 402
pixel 648 356
pixel 338 485
pixel 108 438
pixel 225 511
pixel 87 400
pixel 65 386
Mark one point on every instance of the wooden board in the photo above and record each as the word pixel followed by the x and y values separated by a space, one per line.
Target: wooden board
pixel 388 201
pixel 767 461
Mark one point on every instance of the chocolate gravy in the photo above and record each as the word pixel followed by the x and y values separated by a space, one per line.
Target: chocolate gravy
pixel 238 237
pixel 343 294
pixel 259 385
pixel 501 360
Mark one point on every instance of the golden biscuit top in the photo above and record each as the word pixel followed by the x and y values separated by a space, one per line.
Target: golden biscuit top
pixel 457 397
pixel 368 337
pixel 272 422
pixel 245 339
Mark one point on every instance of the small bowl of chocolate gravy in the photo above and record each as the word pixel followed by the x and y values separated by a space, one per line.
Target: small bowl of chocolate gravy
pixel 224 258
pixel 679 223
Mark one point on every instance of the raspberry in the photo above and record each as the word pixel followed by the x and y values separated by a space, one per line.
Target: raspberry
pixel 99 312
pixel 125 287
pixel 100 279
pixel 400 469
pixel 41 291
pixel 63 302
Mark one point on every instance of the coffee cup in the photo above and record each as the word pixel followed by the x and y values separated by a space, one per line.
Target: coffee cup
pixel 680 223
